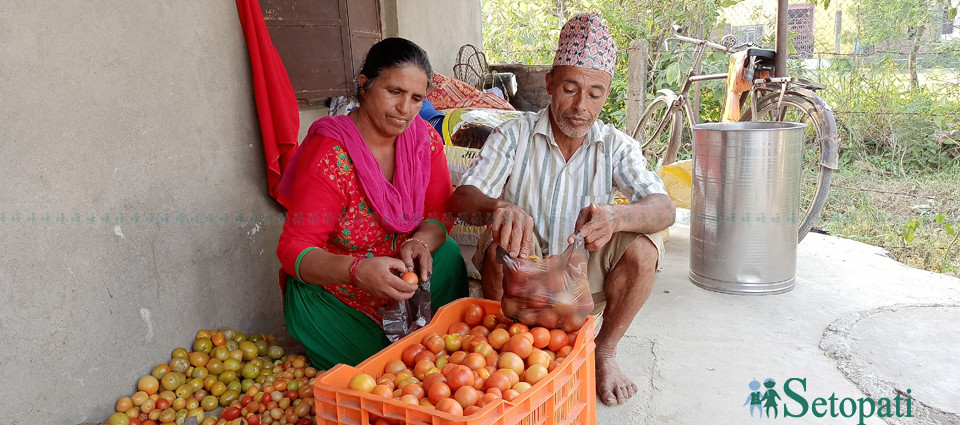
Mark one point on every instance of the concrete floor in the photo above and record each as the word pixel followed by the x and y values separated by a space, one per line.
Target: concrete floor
pixel 858 325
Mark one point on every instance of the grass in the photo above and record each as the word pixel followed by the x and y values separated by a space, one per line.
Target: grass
pixel 878 208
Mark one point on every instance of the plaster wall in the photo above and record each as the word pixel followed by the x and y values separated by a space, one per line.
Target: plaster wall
pixel 439 26
pixel 133 209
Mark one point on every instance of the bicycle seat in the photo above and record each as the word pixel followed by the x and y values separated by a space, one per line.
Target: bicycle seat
pixel 762 53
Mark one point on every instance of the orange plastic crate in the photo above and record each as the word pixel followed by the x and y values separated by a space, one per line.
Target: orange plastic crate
pixel 566 396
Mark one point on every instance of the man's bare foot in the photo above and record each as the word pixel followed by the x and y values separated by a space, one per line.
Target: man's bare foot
pixel 613 386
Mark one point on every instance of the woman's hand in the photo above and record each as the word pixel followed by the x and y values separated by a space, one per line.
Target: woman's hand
pixel 376 277
pixel 413 249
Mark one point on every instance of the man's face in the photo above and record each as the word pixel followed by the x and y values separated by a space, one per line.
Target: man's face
pixel 578 95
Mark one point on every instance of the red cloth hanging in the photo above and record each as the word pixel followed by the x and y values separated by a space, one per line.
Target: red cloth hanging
pixel 276 101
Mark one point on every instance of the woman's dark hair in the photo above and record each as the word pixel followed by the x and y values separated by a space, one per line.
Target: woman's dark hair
pixel 393 52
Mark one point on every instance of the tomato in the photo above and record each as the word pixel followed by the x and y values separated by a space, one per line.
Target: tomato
pixel 484 349
pixel 420 370
pixel 434 343
pixel 410 278
pixel 302 421
pixel 230 413
pixel 450 406
pixel 473 316
pixel 510 394
pixel 410 398
pixel 541 337
pixel 535 373
pixel 490 321
pixel 459 328
pixel 381 390
pixel 253 420
pixel 474 361
pixel 425 355
pixel 520 387
pixel 487 398
pixel 479 331
pixel 467 396
pixel 498 337
pixel 432 379
pixel 517 328
pixel 438 391
pixel 410 354
pixel 513 375
pixel 120 419
pixel 564 352
pixel 460 376
pixel 162 404
pixel 457 357
pixel 538 357
pixel 471 410
pixel 519 345
pixel 394 365
pixel 498 380
pixel 413 389
pixel 362 382
pixel 512 361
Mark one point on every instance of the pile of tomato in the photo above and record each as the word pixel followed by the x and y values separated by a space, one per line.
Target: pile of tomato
pixel 480 360
pixel 248 376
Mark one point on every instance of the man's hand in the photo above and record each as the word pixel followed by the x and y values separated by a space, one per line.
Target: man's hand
pixel 512 229
pixel 376 277
pixel 597 223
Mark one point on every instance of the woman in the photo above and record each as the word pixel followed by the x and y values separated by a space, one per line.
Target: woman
pixel 366 196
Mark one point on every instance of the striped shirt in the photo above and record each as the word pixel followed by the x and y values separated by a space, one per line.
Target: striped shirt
pixel 522 164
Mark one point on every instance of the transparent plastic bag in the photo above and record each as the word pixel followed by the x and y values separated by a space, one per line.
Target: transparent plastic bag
pixel 402 318
pixel 552 292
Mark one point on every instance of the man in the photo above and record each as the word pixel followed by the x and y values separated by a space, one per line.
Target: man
pixel 544 175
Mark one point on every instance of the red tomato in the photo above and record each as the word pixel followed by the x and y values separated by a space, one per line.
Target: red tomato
pixel 438 391
pixel 434 343
pixel 254 420
pixel 410 277
pixel 426 354
pixel 490 321
pixel 450 406
pixel 471 410
pixel 475 361
pixel 459 328
pixel 474 315
pixel 498 380
pixel 302 421
pixel 498 337
pixel 231 413
pixel 541 337
pixel 410 354
pixel 558 340
pixel 431 379
pixel 460 376
pixel 479 331
pixel 467 396
pixel 517 328
pixel 413 389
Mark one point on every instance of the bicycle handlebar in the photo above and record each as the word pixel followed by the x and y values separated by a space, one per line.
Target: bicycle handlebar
pixel 719 47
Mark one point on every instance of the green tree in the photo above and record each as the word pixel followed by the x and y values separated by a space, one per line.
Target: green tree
pixel 906 25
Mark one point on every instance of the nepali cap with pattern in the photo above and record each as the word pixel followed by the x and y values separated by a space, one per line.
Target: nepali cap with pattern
pixel 585 42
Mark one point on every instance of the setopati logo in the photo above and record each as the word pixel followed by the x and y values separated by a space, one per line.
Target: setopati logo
pixel 765 400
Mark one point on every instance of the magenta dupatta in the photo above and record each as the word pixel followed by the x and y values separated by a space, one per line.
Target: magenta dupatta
pixel 399 204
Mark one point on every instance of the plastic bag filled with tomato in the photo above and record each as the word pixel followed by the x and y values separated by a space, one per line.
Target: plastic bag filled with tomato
pixel 552 292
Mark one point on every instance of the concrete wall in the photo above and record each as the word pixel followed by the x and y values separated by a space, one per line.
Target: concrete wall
pixel 113 112
pixel 439 26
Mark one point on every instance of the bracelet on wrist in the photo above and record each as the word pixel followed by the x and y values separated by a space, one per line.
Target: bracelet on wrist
pixel 353 270
pixel 418 240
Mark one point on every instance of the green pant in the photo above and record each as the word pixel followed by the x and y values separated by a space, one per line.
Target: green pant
pixel 333 332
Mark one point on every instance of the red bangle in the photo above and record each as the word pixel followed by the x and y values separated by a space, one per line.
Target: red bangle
pixel 353 270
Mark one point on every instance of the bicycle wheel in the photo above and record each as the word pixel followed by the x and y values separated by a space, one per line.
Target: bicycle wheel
pixel 658 132
pixel 822 130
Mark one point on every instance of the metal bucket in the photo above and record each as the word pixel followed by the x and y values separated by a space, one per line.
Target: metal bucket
pixel 745 207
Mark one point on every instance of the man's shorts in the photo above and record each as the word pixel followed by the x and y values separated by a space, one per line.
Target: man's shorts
pixel 599 264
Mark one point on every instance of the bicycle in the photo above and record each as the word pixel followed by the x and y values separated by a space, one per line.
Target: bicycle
pixel 771 99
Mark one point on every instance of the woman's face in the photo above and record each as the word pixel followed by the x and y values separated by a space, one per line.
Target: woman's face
pixel 393 100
